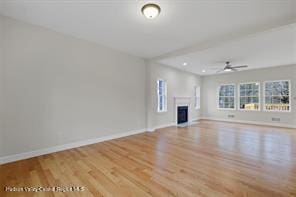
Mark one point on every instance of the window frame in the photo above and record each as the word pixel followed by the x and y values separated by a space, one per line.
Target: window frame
pixel 290 96
pixel 218 97
pixel 165 101
pixel 197 107
pixel 259 97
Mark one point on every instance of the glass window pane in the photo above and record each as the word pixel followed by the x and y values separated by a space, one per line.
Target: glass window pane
pixel 231 105
pixel 268 86
pixel 241 87
pixel 221 100
pixel 231 99
pixel 256 92
pixel 285 100
pixel 268 100
pixel 268 92
pixel 249 92
pixel 226 105
pixel 231 90
pixel 242 92
pixel 243 100
pixel 256 99
pixel 276 99
pixel 227 89
pixel 222 93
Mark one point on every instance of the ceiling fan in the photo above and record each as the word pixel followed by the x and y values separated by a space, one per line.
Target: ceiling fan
pixel 228 67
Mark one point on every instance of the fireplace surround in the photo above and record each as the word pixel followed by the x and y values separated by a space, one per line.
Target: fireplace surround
pixel 182 103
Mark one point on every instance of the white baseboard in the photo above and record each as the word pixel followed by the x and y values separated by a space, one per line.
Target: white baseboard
pixel 161 126
pixel 168 125
pixel 35 153
pixel 251 122
pixel 196 119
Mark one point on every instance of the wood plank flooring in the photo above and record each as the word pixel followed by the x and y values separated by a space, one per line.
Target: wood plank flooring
pixel 207 159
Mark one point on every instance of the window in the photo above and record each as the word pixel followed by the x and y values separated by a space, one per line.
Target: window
pixel 161 96
pixel 277 96
pixel 249 96
pixel 226 97
pixel 197 97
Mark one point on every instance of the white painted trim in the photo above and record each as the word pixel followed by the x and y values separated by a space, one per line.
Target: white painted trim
pixel 251 122
pixel 161 126
pixel 169 125
pixel 182 97
pixel 35 153
pixel 196 119
pixel 164 126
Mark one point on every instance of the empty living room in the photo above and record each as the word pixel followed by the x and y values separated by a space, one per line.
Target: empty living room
pixel 148 98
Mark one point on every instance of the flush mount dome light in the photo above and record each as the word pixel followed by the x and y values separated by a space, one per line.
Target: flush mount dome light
pixel 151 10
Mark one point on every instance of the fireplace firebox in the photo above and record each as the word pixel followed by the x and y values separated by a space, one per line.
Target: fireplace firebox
pixel 182 115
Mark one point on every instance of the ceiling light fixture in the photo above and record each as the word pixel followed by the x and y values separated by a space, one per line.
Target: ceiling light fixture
pixel 227 69
pixel 203 71
pixel 185 64
pixel 151 10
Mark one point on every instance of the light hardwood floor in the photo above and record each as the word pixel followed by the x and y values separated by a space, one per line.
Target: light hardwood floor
pixel 207 159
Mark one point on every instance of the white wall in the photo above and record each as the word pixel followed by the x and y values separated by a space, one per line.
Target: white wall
pixel 211 83
pixel 60 89
pixel 179 83
pixel 57 89
pixel 1 87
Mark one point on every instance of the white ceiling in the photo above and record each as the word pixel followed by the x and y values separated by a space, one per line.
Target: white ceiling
pixel 119 24
pixel 276 47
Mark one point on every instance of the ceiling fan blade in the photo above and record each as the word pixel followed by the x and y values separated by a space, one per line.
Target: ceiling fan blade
pixel 219 71
pixel 243 66
pixel 215 68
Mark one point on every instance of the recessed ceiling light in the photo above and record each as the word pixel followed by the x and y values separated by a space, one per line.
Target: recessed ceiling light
pixel 185 64
pixel 203 71
pixel 151 10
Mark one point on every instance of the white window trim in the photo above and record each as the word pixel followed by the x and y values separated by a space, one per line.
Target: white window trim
pixel 218 96
pixel 259 93
pixel 197 107
pixel 165 96
pixel 290 96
